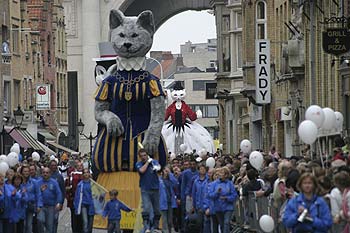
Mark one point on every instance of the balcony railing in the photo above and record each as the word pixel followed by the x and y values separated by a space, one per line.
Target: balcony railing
pixel 6 58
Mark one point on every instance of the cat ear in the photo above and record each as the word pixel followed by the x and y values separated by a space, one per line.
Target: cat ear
pixel 145 20
pixel 116 18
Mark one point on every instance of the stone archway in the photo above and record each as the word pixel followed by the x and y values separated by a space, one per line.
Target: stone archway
pixel 163 9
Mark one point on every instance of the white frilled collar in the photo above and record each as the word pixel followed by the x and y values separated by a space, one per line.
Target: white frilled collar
pixel 133 63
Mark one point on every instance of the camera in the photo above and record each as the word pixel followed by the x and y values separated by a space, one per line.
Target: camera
pixel 303 216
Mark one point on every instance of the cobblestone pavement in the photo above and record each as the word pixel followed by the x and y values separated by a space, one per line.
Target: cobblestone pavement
pixel 64 225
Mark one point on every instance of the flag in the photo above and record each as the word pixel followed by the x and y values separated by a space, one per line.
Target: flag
pixel 98 196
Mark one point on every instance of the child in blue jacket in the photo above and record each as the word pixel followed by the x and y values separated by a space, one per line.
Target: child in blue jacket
pixel 112 211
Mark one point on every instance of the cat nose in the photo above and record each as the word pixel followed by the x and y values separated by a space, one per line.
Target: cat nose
pixel 127 45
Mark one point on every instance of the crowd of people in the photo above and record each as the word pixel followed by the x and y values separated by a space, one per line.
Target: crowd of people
pixel 309 195
pixel 186 195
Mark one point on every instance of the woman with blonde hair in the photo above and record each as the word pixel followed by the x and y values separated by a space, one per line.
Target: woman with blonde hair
pixel 307 212
pixel 224 196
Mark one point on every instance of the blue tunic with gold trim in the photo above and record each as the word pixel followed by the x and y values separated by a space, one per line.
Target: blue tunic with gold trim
pixel 129 94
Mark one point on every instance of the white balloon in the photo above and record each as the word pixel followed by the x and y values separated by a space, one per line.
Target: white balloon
pixel 329 119
pixel 202 152
pixel 3 167
pixel 246 146
pixel 256 160
pixel 308 131
pixel 15 148
pixel 266 223
pixel 210 162
pixel 3 158
pixel 315 114
pixel 183 147
pixel 339 119
pixel 12 159
pixel 35 156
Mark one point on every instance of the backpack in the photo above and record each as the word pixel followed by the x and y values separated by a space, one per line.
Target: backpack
pixel 192 223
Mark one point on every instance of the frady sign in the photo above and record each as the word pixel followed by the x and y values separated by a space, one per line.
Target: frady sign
pixel 42 97
pixel 262 72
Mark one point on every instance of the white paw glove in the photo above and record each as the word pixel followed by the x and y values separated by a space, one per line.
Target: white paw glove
pixel 149 160
pixel 156 168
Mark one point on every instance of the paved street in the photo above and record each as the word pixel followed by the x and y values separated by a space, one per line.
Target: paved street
pixel 64 225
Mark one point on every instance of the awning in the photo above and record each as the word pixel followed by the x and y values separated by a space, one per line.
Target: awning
pixel 60 147
pixel 26 140
pixel 47 135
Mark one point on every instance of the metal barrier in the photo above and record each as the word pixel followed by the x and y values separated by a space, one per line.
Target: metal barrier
pixel 249 210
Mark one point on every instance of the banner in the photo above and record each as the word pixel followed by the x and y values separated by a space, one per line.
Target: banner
pixel 262 71
pixel 99 197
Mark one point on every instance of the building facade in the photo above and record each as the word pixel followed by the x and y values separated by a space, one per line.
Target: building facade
pixel 301 73
pixel 229 77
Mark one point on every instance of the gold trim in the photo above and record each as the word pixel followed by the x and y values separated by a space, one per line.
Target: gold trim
pixel 143 89
pixel 121 90
pixel 137 91
pixel 98 148
pixel 153 85
pixel 113 154
pixel 105 153
pixel 120 149
pixel 131 151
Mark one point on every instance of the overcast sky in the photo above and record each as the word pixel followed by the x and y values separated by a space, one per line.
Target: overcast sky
pixel 196 26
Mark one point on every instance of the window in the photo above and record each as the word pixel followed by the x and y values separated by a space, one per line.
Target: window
pixel 226 53
pixel 208 111
pixel 17 93
pixel 239 51
pixel 261 20
pixel 7 97
pixel 225 23
pixel 15 38
pixel 199 85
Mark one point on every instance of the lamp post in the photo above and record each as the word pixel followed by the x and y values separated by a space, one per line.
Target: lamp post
pixel 161 67
pixel 80 126
pixel 18 114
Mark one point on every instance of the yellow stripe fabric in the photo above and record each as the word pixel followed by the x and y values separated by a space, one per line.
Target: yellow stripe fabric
pixel 120 147
pixel 121 90
pixel 154 88
pixel 97 149
pixel 105 153
pixel 131 151
pixel 137 91
pixel 113 154
pixel 143 90
pixel 114 90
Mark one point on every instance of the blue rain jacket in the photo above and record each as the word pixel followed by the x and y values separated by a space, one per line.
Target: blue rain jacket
pixel 198 193
pixel 224 200
pixel 317 209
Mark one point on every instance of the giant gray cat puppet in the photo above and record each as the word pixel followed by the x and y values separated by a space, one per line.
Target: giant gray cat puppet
pixel 130 101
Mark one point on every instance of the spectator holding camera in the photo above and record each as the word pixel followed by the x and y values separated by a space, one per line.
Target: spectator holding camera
pixel 307 212
pixel 149 185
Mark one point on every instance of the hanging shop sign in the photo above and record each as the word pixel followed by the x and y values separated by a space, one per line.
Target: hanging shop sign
pixel 262 72
pixel 336 41
pixel 42 97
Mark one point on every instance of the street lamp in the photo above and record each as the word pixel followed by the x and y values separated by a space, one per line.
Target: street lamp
pixel 19 114
pixel 80 126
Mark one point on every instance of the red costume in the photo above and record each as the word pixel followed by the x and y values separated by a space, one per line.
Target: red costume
pixel 186 112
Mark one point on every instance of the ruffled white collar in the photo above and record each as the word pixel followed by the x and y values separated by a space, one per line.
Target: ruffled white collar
pixel 133 63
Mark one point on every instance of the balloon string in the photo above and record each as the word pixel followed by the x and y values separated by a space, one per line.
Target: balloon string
pixel 319 147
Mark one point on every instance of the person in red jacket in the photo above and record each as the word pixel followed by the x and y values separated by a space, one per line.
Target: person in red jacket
pixel 74 177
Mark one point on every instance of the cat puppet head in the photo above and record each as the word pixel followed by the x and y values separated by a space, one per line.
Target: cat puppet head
pixel 179 93
pixel 131 36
